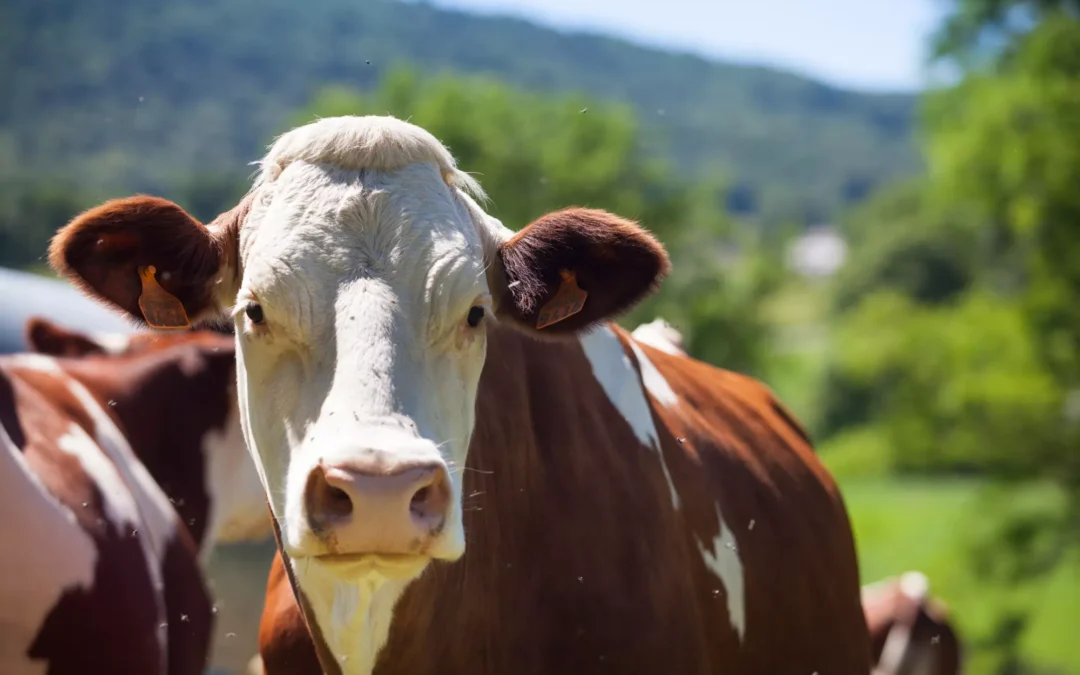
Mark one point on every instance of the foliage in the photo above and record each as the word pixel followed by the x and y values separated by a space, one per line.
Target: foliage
pixel 950 530
pixel 955 338
pixel 30 211
pixel 127 95
pixel 534 154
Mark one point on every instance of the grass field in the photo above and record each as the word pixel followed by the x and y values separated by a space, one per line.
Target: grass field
pixel 932 527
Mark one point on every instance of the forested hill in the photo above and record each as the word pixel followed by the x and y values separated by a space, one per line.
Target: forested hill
pixel 130 94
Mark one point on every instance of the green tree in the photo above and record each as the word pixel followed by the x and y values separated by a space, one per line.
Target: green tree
pixel 534 154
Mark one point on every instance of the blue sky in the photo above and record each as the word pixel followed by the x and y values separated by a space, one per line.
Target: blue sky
pixel 864 44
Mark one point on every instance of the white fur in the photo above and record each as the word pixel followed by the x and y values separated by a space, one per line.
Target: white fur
pixel 53 555
pixel 112 343
pixel 366 252
pixel 615 372
pixel 654 382
pixel 722 558
pixel 661 335
pixel 237 500
pixel 915 585
pixel 363 144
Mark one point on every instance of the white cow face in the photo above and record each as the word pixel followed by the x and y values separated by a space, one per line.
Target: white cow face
pixel 361 277
pixel 361 330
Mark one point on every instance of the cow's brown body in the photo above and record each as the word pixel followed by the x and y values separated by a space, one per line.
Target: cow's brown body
pixel 578 561
pixel 688 530
pixel 112 623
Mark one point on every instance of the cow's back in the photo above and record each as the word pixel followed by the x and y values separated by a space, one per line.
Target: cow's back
pixel 756 500
pixel 92 579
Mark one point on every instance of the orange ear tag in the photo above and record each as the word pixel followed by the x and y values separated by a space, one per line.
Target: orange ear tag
pixel 160 308
pixel 567 301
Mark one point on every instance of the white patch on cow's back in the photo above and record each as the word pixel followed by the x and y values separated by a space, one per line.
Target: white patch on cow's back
pixel 47 554
pixel 156 517
pixel 661 335
pixel 654 382
pixel 723 560
pixel 616 374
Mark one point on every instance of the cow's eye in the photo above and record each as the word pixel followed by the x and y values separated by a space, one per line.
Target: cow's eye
pixel 254 312
pixel 476 315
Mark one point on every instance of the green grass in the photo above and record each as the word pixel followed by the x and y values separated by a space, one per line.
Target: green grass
pixel 932 526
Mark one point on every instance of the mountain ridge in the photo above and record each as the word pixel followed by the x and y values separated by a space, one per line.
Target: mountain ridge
pixel 125 95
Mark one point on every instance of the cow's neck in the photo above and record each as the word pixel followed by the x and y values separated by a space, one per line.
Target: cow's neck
pixel 354 615
pixel 349 621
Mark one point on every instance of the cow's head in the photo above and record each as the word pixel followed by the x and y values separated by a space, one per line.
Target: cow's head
pixel 361 275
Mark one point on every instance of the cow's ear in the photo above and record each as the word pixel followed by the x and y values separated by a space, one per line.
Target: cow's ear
pixel 149 258
pixel 45 337
pixel 572 269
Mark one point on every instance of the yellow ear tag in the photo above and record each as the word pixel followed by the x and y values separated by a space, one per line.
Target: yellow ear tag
pixel 566 302
pixel 160 308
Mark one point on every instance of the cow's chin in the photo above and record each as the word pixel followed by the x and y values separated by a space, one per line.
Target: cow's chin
pixel 389 566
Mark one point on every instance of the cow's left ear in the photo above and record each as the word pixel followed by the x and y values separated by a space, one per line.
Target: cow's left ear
pixel 574 268
pixel 148 257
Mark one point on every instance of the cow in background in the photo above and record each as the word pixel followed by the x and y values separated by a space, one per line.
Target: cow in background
pixel 910 631
pixel 124 463
pixel 411 370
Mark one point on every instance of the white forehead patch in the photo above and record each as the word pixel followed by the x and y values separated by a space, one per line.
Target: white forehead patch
pixel 378 143
pixel 722 559
pixel 615 372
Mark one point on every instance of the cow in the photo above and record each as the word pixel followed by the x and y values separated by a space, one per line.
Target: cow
pixel 910 631
pixel 124 462
pixel 409 369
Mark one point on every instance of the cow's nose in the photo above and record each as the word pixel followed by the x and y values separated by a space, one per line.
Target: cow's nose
pixel 371 505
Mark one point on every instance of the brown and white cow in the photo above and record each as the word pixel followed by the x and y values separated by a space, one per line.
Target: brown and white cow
pixel 910 632
pixel 627 510
pixel 120 469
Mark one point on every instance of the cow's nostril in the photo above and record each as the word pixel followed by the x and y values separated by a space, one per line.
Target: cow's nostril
pixel 326 503
pixel 418 505
pixel 338 502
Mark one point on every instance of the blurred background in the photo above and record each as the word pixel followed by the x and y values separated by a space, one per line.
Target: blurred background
pixel 872 206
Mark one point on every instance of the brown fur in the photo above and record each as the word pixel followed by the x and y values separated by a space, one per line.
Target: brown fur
pixel 615 261
pixel 576 560
pixel 153 388
pixel 101 250
pixel 110 626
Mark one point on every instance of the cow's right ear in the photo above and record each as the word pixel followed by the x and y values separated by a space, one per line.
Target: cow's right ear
pixel 151 248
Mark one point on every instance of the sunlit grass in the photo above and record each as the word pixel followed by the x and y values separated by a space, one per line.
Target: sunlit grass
pixel 933 526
